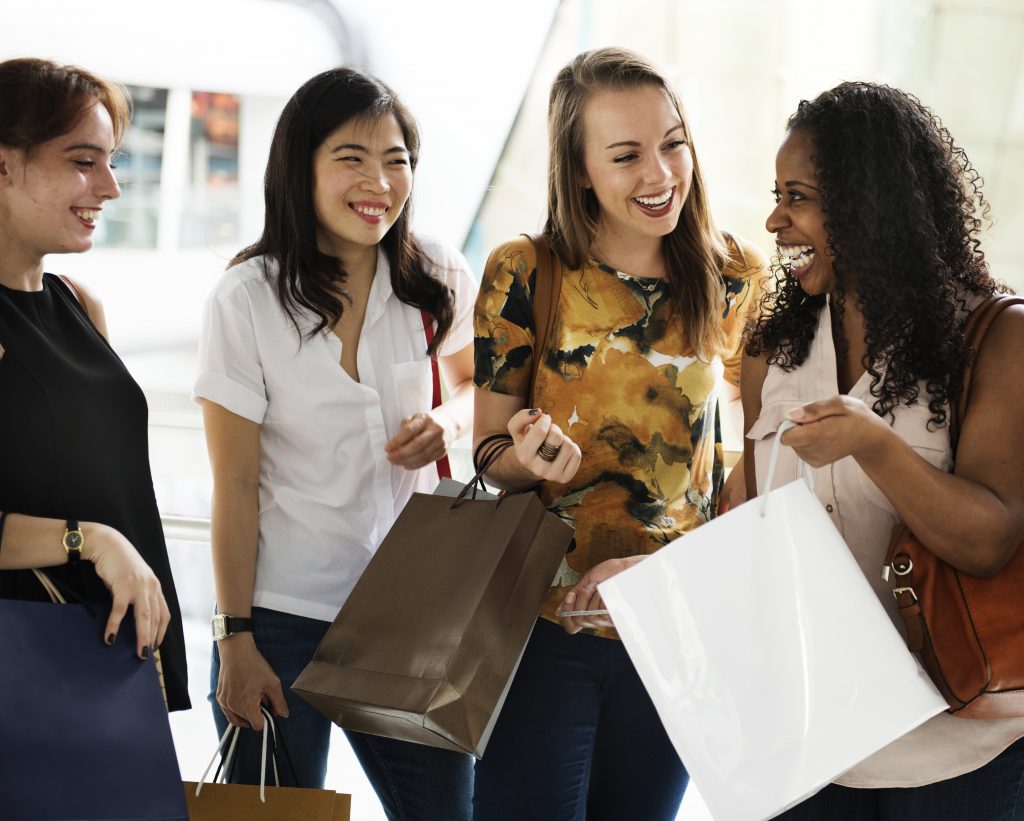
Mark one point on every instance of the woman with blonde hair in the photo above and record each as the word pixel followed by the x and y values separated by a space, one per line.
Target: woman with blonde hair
pixel 621 429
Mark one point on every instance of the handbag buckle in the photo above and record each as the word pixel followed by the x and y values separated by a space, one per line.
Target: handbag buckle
pixel 897 590
pixel 902 565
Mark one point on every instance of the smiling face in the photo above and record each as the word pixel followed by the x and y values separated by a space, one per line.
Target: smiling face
pixel 51 196
pixel 362 178
pixel 798 221
pixel 636 161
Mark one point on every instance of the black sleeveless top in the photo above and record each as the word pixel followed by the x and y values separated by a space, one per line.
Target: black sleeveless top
pixel 74 444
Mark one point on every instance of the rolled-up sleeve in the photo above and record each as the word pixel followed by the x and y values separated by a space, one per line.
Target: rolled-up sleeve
pixel 230 370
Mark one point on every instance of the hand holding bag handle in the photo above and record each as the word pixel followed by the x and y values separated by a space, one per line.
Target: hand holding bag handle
pixel 56 597
pixel 802 470
pixel 227 759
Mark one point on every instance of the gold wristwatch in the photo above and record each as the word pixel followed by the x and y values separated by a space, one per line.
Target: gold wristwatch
pixel 73 541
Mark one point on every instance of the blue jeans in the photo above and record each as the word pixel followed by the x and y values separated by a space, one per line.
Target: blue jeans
pixel 413 782
pixel 578 738
pixel 994 792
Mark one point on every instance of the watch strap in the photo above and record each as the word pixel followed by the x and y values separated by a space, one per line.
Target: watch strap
pixel 236 624
pixel 224 626
pixel 73 541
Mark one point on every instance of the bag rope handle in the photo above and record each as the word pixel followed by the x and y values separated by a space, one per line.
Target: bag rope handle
pixel 228 758
pixel 803 470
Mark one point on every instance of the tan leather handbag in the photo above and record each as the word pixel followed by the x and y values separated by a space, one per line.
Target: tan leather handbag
pixel 967 631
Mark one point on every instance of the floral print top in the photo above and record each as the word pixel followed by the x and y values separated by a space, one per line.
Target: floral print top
pixel 619 378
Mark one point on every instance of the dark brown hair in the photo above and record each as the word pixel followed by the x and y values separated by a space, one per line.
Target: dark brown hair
pixel 41 100
pixel 695 251
pixel 307 278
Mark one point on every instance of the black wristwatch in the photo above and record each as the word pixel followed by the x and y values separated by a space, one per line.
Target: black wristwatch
pixel 73 541
pixel 224 626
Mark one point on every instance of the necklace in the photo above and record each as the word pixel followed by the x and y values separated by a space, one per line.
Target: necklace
pixel 638 282
pixel 650 286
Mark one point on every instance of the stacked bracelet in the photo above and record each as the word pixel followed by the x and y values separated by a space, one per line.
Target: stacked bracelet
pixel 484 450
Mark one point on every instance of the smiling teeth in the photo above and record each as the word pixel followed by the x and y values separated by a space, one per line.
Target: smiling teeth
pixel 370 212
pixel 89 216
pixel 654 202
pixel 798 256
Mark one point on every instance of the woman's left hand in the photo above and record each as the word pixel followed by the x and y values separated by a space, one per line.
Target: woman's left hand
pixel 584 595
pixel 420 440
pixel 833 429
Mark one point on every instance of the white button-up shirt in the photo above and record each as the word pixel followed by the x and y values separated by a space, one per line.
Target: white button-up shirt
pixel 327 494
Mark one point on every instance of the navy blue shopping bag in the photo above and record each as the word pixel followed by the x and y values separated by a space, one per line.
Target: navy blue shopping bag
pixel 84 733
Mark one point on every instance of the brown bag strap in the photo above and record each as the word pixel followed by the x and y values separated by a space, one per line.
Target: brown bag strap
pixel 546 287
pixel 975 329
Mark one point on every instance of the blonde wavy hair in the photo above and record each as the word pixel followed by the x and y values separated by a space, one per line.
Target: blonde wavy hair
pixel 696 252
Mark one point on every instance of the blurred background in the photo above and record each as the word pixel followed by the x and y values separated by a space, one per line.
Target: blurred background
pixel 209 79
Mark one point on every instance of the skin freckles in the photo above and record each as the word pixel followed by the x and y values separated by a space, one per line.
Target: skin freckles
pixel 54 193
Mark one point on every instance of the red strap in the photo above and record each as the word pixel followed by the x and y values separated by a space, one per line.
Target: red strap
pixel 444 470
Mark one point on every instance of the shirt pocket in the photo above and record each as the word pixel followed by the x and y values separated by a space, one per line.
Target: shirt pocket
pixel 413 387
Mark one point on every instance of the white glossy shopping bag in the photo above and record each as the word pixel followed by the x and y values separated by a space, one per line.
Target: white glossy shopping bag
pixel 770 660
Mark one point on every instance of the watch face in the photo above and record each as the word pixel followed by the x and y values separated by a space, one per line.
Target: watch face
pixel 220 627
pixel 73 539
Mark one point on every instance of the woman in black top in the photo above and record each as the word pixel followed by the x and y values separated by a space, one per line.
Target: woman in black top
pixel 76 493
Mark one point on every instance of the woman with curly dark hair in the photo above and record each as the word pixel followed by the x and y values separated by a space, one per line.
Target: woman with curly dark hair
pixel 877 221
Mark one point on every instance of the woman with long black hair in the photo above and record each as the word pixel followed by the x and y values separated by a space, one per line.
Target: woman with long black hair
pixel 315 382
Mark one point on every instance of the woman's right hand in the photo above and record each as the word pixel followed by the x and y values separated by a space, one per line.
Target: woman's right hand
pixel 131 582
pixel 531 428
pixel 246 681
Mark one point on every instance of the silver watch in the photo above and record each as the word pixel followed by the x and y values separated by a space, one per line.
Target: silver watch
pixel 224 626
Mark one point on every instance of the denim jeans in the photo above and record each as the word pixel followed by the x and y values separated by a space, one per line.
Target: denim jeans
pixel 578 738
pixel 413 782
pixel 994 792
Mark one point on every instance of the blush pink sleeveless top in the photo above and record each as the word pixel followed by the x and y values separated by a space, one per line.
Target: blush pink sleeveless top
pixel 944 746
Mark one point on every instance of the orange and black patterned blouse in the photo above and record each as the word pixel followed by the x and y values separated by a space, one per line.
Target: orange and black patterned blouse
pixel 620 380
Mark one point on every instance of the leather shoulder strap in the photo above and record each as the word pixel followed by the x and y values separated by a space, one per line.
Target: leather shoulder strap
pixel 444 470
pixel 546 287
pixel 975 329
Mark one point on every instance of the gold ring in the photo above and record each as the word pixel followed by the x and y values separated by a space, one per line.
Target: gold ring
pixel 548 452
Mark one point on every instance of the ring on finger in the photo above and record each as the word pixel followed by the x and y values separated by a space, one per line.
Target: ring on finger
pixel 548 452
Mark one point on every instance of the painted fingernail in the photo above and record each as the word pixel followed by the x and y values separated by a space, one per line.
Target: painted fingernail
pixel 110 638
pixel 534 411
pixel 145 651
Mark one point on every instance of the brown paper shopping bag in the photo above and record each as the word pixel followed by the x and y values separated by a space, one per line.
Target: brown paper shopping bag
pixel 241 802
pixel 428 641
pixel 218 801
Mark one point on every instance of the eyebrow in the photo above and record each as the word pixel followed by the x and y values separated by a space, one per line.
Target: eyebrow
pixel 802 184
pixel 634 143
pixel 395 149
pixel 85 147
